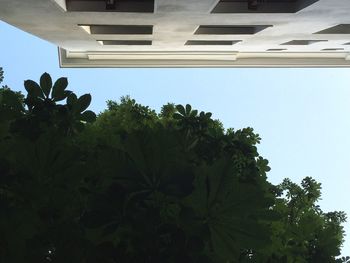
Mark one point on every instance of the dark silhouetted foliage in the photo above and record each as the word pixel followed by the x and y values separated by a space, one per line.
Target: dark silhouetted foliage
pixel 1 75
pixel 134 186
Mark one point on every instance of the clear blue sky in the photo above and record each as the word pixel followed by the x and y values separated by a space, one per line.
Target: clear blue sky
pixel 302 115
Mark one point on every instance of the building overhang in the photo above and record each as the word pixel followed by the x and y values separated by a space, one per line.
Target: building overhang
pixel 202 59
pixel 182 33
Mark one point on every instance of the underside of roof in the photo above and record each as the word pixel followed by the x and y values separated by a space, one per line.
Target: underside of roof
pixel 189 33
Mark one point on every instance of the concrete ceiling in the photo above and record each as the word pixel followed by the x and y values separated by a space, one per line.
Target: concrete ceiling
pixel 175 22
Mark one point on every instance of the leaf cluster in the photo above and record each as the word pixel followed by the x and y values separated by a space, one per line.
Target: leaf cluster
pixel 135 186
pixel 1 75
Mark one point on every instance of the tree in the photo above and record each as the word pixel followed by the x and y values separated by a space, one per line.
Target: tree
pixel 305 233
pixel 1 75
pixel 135 186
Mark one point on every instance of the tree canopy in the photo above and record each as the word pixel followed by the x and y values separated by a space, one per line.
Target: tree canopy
pixel 135 186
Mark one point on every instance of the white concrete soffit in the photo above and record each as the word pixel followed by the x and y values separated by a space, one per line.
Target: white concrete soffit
pixel 175 22
pixel 202 59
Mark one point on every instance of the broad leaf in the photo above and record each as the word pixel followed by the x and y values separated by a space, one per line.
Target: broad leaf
pixel 63 96
pixel 82 103
pixel 46 83
pixel 33 89
pixel 230 209
pixel 188 109
pixel 72 99
pixel 181 109
pixel 88 116
pixel 58 88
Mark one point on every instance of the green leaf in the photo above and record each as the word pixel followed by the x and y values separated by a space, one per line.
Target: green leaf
pixel 83 103
pixel 188 109
pixel 58 88
pixel 1 75
pixel 223 244
pixel 194 113
pixel 229 208
pixel 33 89
pixel 10 100
pixel 46 84
pixel 88 116
pixel 177 116
pixel 181 109
pixel 71 100
pixel 64 95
